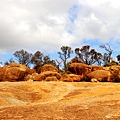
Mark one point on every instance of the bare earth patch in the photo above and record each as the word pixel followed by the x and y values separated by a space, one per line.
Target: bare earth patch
pixel 59 101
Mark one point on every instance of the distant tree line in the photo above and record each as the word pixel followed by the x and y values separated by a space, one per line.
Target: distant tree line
pixel 84 55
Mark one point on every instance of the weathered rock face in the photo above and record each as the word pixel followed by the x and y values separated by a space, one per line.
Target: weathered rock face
pixel 100 75
pixel 115 67
pixel 115 70
pixel 93 68
pixel 79 68
pixel 48 67
pixel 71 78
pixel 43 76
pixel 30 77
pixel 31 71
pixel 79 72
pixel 47 73
pixel 76 60
pixel 66 78
pixel 53 78
pixel 2 71
pixel 13 72
pixel 59 101
pixel 76 78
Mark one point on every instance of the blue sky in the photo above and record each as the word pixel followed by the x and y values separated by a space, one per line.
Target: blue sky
pixel 47 25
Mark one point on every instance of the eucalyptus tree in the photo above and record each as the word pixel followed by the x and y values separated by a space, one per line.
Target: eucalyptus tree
pixel 88 56
pixel 23 57
pixel 64 55
pixel 107 55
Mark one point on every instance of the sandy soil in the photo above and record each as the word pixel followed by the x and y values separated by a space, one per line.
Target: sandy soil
pixel 59 101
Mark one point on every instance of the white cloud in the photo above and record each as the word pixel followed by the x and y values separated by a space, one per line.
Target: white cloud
pixel 49 24
pixel 98 19
pixel 33 24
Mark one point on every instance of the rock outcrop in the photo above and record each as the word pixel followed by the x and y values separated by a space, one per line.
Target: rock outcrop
pixel 79 68
pixel 93 68
pixel 30 77
pixel 76 60
pixel 2 71
pixel 76 72
pixel 48 67
pixel 59 101
pixel 53 78
pixel 71 78
pixel 13 72
pixel 31 71
pixel 100 75
pixel 115 71
pixel 43 75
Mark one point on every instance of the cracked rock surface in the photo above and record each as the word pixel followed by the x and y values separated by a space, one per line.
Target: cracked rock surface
pixel 59 101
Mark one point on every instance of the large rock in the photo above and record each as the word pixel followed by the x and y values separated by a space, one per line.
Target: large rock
pixel 48 67
pixel 100 75
pixel 13 72
pixel 30 77
pixel 76 60
pixel 71 78
pixel 79 68
pixel 31 71
pixel 93 68
pixel 2 71
pixel 42 76
pixel 112 68
pixel 53 78
pixel 115 71
pixel 66 78
pixel 115 67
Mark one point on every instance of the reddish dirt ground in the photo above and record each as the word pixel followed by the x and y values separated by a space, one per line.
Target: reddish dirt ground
pixel 59 101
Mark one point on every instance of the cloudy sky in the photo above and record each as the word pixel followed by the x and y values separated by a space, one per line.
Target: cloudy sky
pixel 46 25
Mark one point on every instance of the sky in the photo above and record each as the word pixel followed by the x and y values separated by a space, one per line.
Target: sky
pixel 46 25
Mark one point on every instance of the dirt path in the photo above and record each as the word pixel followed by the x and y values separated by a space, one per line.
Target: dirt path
pixel 59 101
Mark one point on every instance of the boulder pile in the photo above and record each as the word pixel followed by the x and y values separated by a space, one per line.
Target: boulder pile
pixel 77 72
pixel 96 73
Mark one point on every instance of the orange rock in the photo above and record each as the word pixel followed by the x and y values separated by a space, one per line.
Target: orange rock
pixel 100 75
pixel 48 67
pixel 30 77
pixel 42 76
pixel 79 68
pixel 31 71
pixel 53 78
pixel 76 60
pixel 71 78
pixel 13 72
pixel 2 71
pixel 96 67
pixel 66 78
